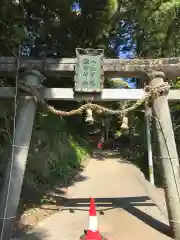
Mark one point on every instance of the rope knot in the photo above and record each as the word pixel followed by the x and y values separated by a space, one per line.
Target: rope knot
pixel 161 89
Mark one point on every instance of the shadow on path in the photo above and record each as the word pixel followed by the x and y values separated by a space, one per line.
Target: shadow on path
pixel 129 204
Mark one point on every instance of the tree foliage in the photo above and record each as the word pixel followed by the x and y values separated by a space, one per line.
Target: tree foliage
pixel 156 30
pixel 46 28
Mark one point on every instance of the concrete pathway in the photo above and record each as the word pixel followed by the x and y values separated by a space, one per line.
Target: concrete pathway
pixel 121 193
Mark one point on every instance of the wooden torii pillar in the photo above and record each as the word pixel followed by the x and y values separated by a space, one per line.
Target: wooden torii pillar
pixel 10 194
pixel 168 152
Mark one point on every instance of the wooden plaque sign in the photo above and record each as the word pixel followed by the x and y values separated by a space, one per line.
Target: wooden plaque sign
pixel 89 70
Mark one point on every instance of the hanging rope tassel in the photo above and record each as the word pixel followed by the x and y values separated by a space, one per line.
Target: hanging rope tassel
pixel 89 116
pixel 124 125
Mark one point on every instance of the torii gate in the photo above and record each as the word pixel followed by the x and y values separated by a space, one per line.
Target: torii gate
pixel 153 71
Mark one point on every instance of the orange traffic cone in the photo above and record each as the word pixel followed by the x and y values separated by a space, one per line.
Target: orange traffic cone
pixel 93 232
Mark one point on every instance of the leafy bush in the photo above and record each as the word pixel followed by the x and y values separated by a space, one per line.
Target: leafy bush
pixel 54 152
